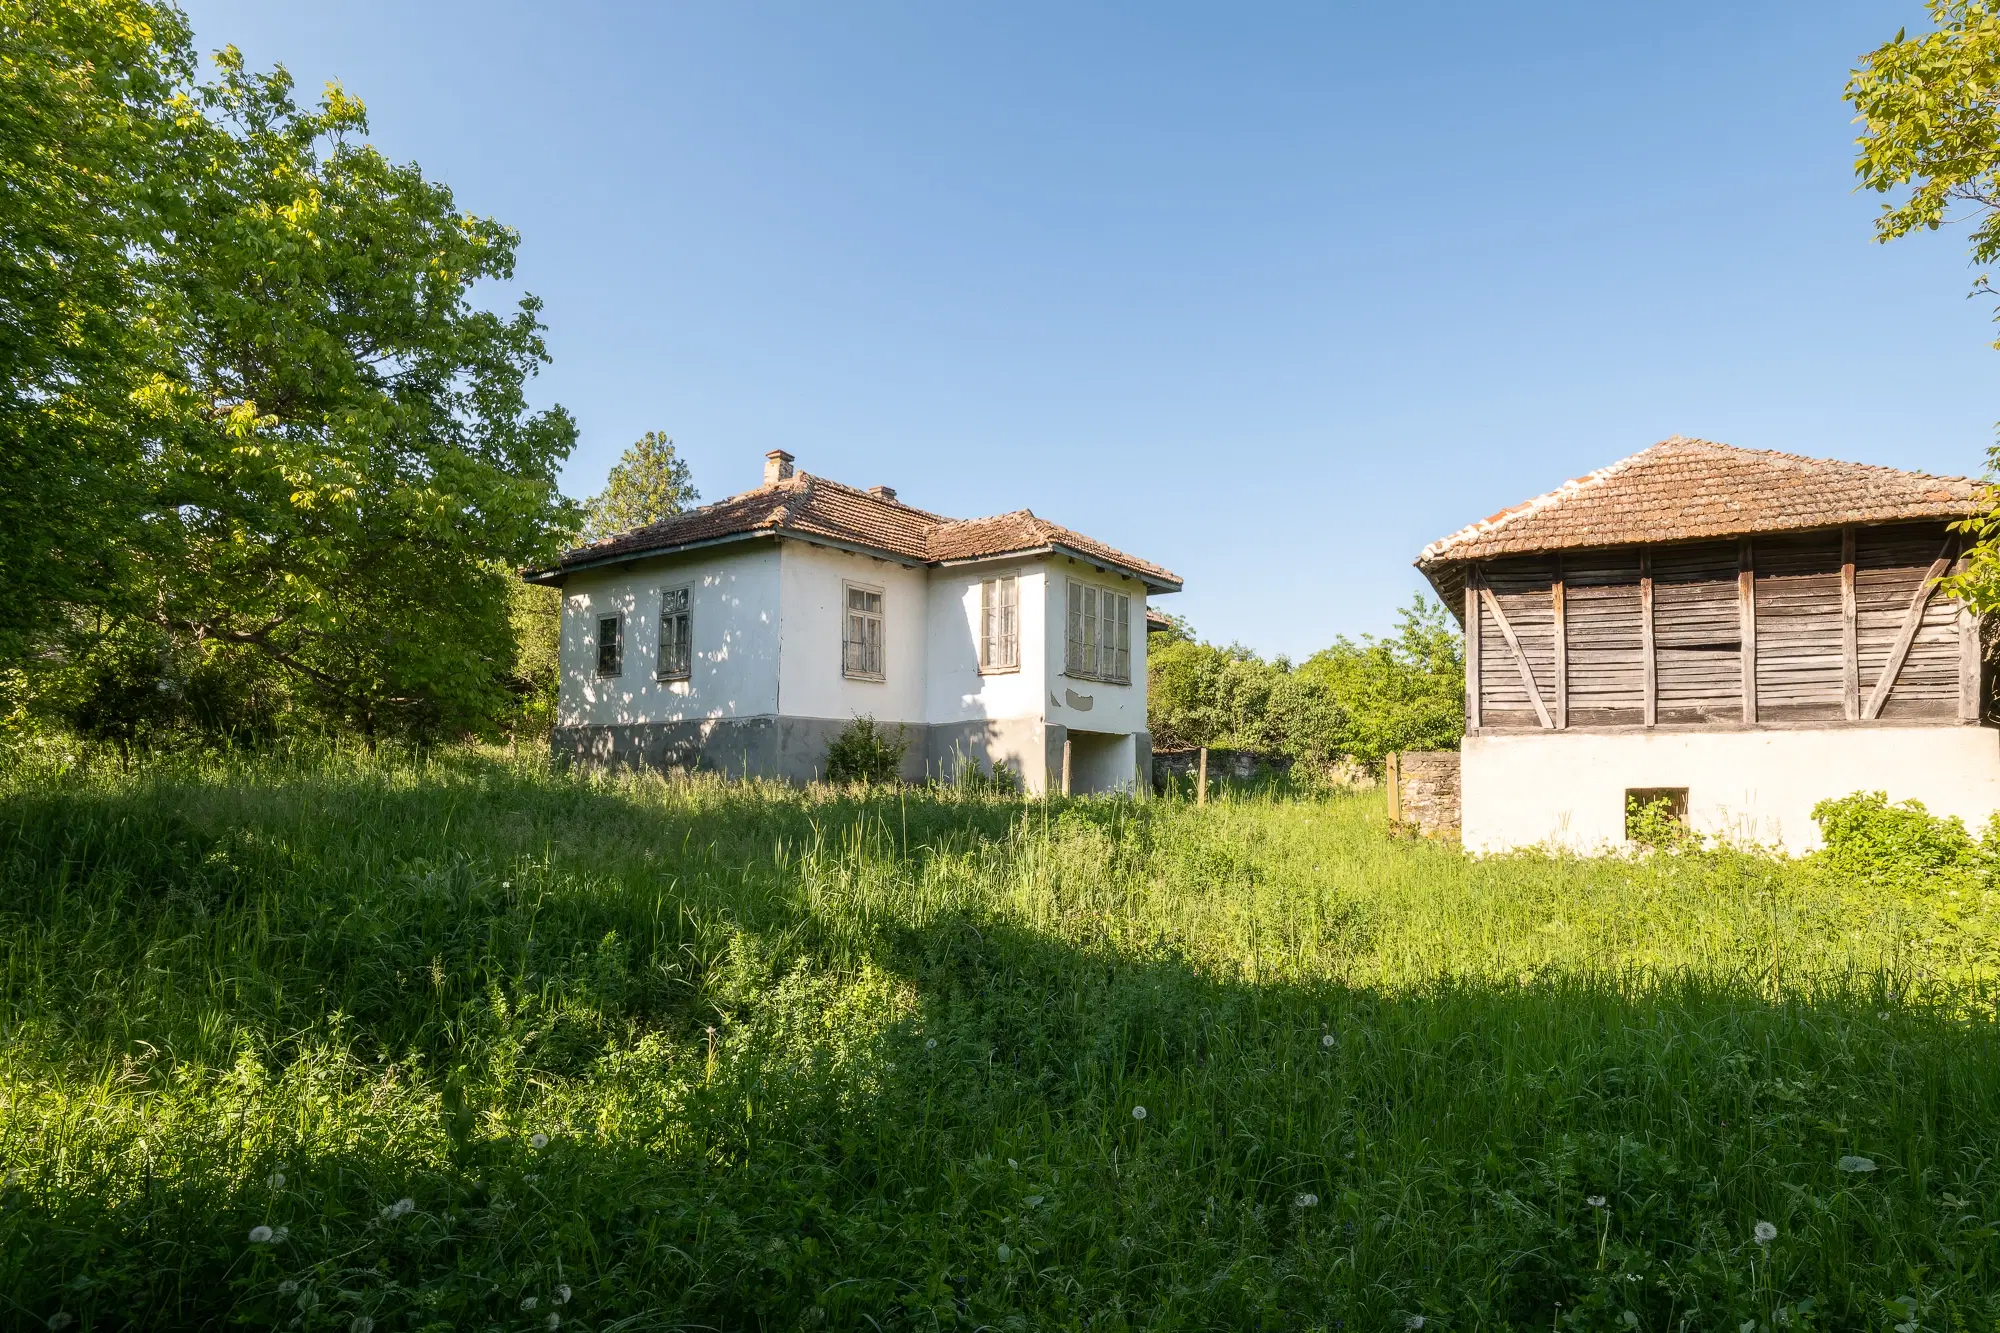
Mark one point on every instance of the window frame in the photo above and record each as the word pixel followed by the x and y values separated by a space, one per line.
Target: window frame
pixel 1081 634
pixel 616 619
pixel 880 616
pixel 685 615
pixel 1004 636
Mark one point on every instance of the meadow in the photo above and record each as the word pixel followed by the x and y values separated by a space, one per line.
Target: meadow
pixel 460 1042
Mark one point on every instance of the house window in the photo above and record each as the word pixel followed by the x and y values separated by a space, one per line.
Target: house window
pixel 1100 634
pixel 861 633
pixel 610 645
pixel 675 655
pixel 1000 624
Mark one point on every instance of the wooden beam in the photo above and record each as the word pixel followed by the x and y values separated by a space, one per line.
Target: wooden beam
pixel 1472 618
pixel 1393 771
pixel 1850 638
pixel 1746 618
pixel 1557 596
pixel 1652 659
pixel 1913 620
pixel 1520 657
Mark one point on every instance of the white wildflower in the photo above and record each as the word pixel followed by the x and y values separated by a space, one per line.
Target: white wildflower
pixel 531 1178
pixel 1595 1201
pixel 260 1235
pixel 1005 1252
pixel 538 1141
pixel 390 1212
pixel 562 1294
pixel 529 1302
pixel 1138 1113
pixel 1308 1201
pixel 1765 1233
pixel 1856 1165
pixel 506 883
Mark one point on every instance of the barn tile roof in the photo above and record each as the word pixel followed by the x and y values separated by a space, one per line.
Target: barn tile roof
pixel 1682 490
pixel 807 506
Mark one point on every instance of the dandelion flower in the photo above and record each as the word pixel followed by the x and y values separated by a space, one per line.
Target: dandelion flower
pixel 1765 1233
pixel 1005 1253
pixel 276 1180
pixel 1138 1113
pixel 1856 1165
pixel 1595 1201
pixel 1327 1041
pixel 562 1294
pixel 529 1302
pixel 538 1141
pixel 261 1235
pixel 1308 1201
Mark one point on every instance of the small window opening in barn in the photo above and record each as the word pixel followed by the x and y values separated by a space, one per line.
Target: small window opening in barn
pixel 610 645
pixel 1656 816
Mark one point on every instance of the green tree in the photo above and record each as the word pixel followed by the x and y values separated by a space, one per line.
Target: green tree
pixel 1405 692
pixel 1930 108
pixel 87 112
pixel 345 468
pixel 649 483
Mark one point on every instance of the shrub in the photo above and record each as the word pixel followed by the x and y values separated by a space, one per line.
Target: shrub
pixel 866 752
pixel 1867 838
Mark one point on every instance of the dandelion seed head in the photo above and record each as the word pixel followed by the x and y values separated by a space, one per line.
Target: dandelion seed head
pixel 1308 1201
pixel 1327 1041
pixel 1414 1322
pixel 553 1321
pixel 538 1141
pixel 1595 1201
pixel 1856 1165
pixel 562 1294
pixel 1764 1232
pixel 1005 1253
pixel 277 1180
pixel 529 1302
pixel 930 1044
pixel 261 1235
pixel 61 1319
pixel 1138 1113
pixel 1013 1165
pixel 282 1233
pixel 1034 1201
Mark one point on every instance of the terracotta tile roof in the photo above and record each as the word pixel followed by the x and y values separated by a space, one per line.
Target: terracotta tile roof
pixel 1681 490
pixel 808 506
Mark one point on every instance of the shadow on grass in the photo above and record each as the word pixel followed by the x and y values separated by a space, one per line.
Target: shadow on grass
pixel 800 1062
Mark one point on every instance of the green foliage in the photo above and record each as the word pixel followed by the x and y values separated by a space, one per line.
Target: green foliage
pixel 1661 824
pixel 1405 692
pixel 87 111
pixel 1903 845
pixel 691 1054
pixel 1930 105
pixel 648 484
pixel 866 752
pixel 1000 780
pixel 535 613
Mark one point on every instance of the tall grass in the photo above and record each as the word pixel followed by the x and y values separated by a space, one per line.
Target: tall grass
pixel 646 1053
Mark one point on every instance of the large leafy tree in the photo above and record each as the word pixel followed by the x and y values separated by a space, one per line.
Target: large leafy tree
pixel 90 109
pixel 649 483
pixel 1403 692
pixel 346 468
pixel 1930 110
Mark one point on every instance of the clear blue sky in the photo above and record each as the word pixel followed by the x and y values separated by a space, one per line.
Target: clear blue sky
pixel 1271 294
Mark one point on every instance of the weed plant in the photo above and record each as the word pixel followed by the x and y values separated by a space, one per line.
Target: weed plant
pixel 461 1042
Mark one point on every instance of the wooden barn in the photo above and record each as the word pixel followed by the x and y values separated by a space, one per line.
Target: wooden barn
pixel 1735 632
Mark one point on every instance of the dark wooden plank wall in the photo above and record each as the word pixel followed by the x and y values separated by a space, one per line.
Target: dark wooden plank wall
pixel 1797 669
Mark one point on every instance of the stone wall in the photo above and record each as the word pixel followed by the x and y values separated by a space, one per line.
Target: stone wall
pixel 1423 791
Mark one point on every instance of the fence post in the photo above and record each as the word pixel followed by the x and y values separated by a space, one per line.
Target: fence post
pixel 1394 773
pixel 1201 779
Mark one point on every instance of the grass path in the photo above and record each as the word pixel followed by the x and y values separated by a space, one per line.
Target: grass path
pixel 649 1054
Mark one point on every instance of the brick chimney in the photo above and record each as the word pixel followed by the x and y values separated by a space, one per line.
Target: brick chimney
pixel 777 467
pixel 883 493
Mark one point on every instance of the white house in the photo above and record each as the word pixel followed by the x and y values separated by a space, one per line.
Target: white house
pixel 744 635
pixel 1737 633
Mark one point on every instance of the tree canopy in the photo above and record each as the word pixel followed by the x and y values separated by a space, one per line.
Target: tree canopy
pixel 649 483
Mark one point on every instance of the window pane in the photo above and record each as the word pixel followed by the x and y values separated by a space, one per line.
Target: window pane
pixel 1074 656
pixel 607 645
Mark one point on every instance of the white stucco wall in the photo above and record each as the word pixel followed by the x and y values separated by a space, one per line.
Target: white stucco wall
pixel 1110 708
pixel 810 596
pixel 1761 785
pixel 734 660
pixel 956 690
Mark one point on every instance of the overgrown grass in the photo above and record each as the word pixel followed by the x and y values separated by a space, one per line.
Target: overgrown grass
pixel 877 1061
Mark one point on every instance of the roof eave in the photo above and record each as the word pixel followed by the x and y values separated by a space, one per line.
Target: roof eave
pixel 553 578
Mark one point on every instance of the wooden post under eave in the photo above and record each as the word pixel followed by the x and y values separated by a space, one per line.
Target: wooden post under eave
pixel 1201 778
pixel 1471 649
pixel 1746 614
pixel 1556 600
pixel 1394 772
pixel 1652 665
pixel 1850 637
